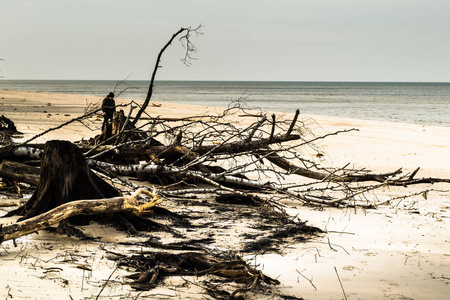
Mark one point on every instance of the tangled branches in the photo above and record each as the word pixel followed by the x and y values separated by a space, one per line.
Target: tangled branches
pixel 267 158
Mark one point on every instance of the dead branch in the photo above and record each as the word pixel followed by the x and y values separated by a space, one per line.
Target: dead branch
pixel 189 48
pixel 117 93
pixel 153 267
pixel 289 131
pixel 291 168
pixel 77 208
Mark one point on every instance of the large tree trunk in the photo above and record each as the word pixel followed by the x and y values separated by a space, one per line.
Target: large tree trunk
pixel 65 177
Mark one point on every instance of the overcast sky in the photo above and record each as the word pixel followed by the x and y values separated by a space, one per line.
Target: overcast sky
pixel 297 40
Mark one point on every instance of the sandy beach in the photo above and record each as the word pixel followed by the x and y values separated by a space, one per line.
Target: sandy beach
pixel 397 251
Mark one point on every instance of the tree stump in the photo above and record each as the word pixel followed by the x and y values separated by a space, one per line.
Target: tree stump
pixel 65 177
pixel 118 121
pixel 7 125
pixel 7 130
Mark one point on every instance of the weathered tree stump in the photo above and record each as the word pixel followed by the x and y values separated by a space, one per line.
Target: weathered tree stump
pixel 106 132
pixel 118 121
pixel 7 130
pixel 65 177
pixel 7 125
pixel 119 130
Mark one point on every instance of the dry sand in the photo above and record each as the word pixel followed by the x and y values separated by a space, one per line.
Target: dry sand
pixel 399 251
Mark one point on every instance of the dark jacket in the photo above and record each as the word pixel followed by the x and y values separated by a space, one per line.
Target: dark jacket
pixel 108 106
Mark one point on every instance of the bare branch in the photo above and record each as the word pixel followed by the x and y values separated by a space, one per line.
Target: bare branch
pixel 189 48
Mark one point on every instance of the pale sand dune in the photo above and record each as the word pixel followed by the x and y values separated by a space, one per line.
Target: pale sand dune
pixel 395 252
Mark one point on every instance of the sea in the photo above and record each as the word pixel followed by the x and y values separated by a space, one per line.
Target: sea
pixel 406 102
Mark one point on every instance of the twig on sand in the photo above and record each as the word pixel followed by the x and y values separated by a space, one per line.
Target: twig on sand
pixel 310 280
pixel 340 282
pixel 424 194
pixel 329 244
pixel 9 291
pixel 106 282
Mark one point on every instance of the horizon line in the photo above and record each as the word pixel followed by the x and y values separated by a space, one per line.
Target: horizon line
pixel 199 80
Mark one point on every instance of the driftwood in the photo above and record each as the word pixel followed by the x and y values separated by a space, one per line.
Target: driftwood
pixel 301 171
pixel 76 208
pixel 154 266
pixel 19 172
pixel 157 152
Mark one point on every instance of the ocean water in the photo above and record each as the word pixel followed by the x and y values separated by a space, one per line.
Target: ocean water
pixel 418 103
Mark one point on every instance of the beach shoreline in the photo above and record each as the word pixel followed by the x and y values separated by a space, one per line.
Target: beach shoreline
pixel 414 103
pixel 34 112
pixel 394 252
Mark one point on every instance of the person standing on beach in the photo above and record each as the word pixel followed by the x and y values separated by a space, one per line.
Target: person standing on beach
pixel 108 108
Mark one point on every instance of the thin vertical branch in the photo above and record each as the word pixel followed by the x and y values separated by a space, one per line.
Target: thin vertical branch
pixel 297 112
pixel 272 132
pixel 189 48
pixel 255 128
pixel 340 282
pixel 155 69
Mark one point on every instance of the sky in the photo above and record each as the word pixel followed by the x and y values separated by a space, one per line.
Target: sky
pixel 250 40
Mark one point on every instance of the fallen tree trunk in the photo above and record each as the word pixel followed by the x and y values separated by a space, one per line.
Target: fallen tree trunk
pixel 139 170
pixel 62 212
pixel 386 178
pixel 174 151
pixel 242 146
pixel 210 178
pixel 162 151
pixel 21 153
pixel 19 172
pixel 78 208
pixel 216 179
pixel 293 169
